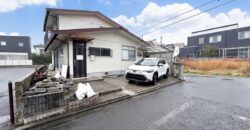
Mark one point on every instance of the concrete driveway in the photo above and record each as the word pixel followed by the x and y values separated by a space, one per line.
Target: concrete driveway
pixel 202 102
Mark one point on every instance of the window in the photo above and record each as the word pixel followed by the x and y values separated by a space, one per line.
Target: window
pixel 232 53
pixel 189 56
pixel 3 43
pixel 244 35
pixel 20 44
pixel 99 51
pixel 199 53
pixel 243 53
pixel 214 39
pixel 94 51
pixel 201 40
pixel 128 53
pixel 105 52
pixel 162 62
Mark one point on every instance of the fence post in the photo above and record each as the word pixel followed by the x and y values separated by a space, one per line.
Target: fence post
pixel 11 107
pixel 181 71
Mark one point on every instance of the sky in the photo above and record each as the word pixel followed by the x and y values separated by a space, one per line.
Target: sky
pixel 26 17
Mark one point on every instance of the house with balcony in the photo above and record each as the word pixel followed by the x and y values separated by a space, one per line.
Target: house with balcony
pixel 230 41
pixel 90 43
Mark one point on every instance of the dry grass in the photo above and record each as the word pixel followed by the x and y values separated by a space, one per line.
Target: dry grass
pixel 235 67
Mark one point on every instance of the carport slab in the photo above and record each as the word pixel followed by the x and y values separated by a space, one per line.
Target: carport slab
pixel 140 87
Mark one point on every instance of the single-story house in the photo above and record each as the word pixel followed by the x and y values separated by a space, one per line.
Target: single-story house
pixel 90 43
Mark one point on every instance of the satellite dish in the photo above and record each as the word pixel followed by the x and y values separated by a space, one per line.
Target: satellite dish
pixel 176 51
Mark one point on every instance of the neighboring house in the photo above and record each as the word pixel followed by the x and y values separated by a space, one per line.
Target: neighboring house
pixel 38 49
pixel 180 45
pixel 15 50
pixel 231 42
pixel 90 43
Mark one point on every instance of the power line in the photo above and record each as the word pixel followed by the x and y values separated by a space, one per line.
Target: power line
pixel 176 16
pixel 190 17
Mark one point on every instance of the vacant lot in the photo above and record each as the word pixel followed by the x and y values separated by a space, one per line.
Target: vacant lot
pixel 234 67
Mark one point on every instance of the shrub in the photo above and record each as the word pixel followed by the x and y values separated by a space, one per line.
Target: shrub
pixel 41 59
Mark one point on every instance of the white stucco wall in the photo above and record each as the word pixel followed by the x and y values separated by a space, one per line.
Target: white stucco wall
pixel 65 54
pixel 71 72
pixel 80 21
pixel 114 41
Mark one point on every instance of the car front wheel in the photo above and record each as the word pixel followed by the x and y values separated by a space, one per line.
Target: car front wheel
pixel 167 74
pixel 155 78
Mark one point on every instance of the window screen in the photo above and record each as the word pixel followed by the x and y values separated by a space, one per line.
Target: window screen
pixel 99 51
pixel 128 53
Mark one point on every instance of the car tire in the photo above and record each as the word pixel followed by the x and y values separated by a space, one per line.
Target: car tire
pixel 130 81
pixel 167 74
pixel 155 78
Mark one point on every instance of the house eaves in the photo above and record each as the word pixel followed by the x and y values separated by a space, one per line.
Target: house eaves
pixel 91 30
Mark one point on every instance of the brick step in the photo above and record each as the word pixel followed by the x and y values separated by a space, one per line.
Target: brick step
pixel 110 91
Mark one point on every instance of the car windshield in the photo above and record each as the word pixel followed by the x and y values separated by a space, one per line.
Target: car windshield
pixel 147 62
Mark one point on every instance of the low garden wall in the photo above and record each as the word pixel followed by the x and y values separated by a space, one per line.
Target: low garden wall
pixel 34 107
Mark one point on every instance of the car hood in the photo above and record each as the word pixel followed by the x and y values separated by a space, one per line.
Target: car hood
pixel 140 67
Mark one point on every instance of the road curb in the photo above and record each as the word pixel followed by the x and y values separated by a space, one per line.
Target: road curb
pixel 158 87
pixel 33 124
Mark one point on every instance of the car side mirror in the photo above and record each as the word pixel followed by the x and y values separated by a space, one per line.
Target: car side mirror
pixel 160 64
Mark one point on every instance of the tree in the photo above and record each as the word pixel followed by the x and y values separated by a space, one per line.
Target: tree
pixel 210 51
pixel 42 59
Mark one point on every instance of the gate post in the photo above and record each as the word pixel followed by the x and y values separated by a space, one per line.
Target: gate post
pixel 11 107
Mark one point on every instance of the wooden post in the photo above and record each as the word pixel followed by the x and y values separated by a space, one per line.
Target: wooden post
pixel 11 107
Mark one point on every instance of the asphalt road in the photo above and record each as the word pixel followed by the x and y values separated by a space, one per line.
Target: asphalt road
pixel 7 74
pixel 202 102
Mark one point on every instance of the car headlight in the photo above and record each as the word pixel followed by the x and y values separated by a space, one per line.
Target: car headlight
pixel 148 71
pixel 129 69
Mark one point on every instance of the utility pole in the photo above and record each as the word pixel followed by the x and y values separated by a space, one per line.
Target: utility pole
pixel 161 40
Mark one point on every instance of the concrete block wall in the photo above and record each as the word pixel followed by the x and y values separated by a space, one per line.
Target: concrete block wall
pixel 20 87
pixel 38 104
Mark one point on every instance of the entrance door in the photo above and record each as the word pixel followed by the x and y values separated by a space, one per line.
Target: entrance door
pixel 79 54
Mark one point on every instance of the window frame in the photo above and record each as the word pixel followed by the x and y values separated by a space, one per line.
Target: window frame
pixel 5 43
pixel 199 40
pixel 128 49
pixel 100 51
pixel 240 38
pixel 20 44
pixel 217 39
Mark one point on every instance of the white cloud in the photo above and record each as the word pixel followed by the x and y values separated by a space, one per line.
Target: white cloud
pixel 106 2
pixel 2 33
pixel 154 13
pixel 10 34
pixel 14 34
pixel 10 5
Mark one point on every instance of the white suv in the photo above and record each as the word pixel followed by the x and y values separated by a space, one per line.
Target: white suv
pixel 147 70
